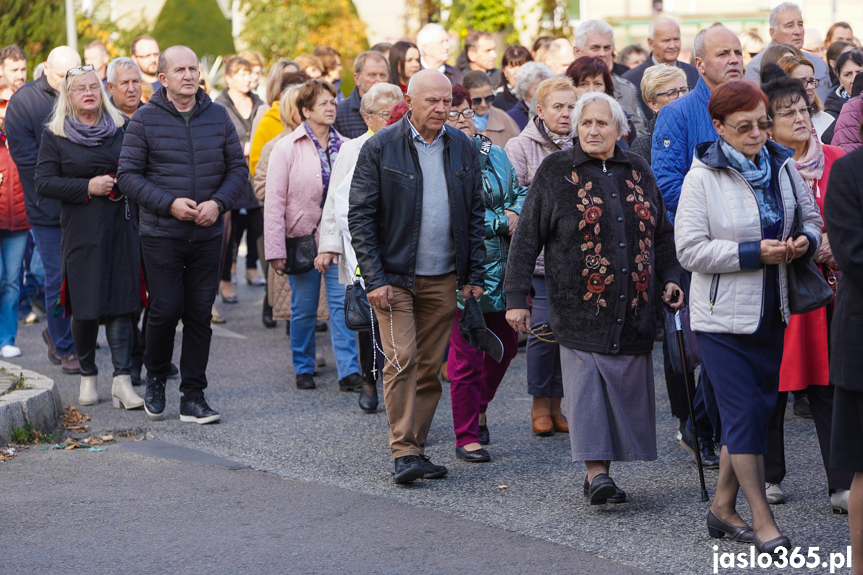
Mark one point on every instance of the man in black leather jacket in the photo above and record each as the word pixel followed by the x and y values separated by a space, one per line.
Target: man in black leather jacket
pixel 183 165
pixel 417 223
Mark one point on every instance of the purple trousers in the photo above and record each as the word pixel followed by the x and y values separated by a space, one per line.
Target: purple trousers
pixel 475 377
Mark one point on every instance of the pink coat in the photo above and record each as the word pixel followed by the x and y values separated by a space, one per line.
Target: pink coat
pixel 292 206
pixel 846 134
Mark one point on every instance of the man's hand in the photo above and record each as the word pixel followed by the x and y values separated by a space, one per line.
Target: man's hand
pixel 101 185
pixel 185 209
pixel 324 259
pixel 469 290
pixel 208 213
pixel 825 253
pixel 278 265
pixel 513 220
pixel 381 297
pixel 673 295
pixel 772 252
pixel 518 319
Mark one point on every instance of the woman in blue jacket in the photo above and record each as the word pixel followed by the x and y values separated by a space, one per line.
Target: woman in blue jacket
pixel 474 375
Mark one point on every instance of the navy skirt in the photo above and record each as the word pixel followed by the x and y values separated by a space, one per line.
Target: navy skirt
pixel 744 373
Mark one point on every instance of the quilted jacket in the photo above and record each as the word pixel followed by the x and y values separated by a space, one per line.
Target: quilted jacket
pixel 13 215
pixel 846 134
pixel 165 158
pixel 680 126
pixel 718 236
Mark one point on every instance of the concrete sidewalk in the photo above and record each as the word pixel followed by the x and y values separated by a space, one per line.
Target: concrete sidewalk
pixel 130 510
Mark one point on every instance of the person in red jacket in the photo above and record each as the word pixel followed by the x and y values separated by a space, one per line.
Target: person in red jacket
pixel 13 236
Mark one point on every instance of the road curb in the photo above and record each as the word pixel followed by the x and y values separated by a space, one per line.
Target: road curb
pixel 37 402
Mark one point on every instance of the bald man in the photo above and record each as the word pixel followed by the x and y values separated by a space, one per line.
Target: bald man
pixel 182 190
pixel 29 109
pixel 417 221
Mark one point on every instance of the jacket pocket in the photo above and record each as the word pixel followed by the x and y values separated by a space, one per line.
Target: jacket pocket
pixel 714 290
pixel 463 171
pixel 396 174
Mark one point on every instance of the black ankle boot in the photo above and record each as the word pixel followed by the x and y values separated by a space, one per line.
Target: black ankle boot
pixel 267 315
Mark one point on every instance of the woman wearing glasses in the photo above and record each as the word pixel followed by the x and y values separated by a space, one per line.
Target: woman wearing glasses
pixel 803 70
pixel 298 178
pixel 659 86
pixel 733 231
pixel 101 268
pixel 489 120
pixel 804 363
pixel 474 375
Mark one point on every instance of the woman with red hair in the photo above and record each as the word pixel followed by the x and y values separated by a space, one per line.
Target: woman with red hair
pixel 589 74
pixel 735 231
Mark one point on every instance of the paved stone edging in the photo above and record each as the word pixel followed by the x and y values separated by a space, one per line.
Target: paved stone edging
pixel 39 403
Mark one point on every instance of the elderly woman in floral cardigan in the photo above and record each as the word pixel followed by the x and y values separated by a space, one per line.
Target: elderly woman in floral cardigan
pixel 599 215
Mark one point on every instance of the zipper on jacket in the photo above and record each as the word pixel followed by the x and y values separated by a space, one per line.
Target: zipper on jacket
pixel 603 167
pixel 192 163
pixel 714 291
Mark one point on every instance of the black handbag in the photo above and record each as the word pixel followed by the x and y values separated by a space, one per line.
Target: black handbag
pixel 300 254
pixel 358 312
pixel 808 290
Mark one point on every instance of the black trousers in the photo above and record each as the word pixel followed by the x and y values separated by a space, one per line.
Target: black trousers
pixel 118 330
pixel 183 279
pixel 821 402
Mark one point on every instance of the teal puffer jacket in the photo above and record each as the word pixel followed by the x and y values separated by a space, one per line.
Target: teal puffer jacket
pixel 501 192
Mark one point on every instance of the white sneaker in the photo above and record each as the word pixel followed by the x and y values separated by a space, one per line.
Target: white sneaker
pixel 775 495
pixel 839 501
pixel 10 351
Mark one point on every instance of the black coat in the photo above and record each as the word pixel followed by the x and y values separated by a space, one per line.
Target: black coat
pixel 164 158
pixel 386 201
pixel 609 250
pixel 643 144
pixel 100 246
pixel 843 212
pixel 247 201
pixel 636 74
pixel 28 112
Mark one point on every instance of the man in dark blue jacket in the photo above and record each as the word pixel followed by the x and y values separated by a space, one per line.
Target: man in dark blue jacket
pixel 29 110
pixel 183 165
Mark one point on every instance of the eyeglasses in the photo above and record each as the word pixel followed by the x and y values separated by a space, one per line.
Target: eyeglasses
pixel 82 89
pixel 467 113
pixel 674 93
pixel 805 112
pixel 746 128
pixel 80 70
pixel 811 82
pixel 383 114
pixel 487 99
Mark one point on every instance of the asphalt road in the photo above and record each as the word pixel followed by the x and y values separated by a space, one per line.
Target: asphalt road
pixel 338 459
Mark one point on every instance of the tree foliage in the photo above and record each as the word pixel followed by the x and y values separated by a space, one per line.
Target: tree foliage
pixel 285 28
pixel 198 24
pixel 115 35
pixel 484 15
pixel 37 26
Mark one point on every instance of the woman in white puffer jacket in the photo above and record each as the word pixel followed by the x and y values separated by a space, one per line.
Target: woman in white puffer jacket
pixel 733 231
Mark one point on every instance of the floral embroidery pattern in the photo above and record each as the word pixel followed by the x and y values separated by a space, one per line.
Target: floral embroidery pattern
pixel 596 265
pixel 643 263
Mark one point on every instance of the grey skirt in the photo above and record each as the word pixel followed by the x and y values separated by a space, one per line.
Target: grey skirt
pixel 610 405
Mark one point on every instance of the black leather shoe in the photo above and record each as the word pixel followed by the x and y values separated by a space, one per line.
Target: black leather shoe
pixel 478 456
pixel 175 371
pixel 408 469
pixel 709 459
pixel 154 397
pixel 618 497
pixel 601 488
pixel 802 407
pixel 305 381
pixel 197 410
pixel 368 397
pixel 353 382
pixel 431 470
pixel 483 435
pixel 773 545
pixel 719 529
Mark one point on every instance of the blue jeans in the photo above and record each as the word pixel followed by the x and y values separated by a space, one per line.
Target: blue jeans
pixel 32 279
pixel 12 246
pixel 304 312
pixel 59 326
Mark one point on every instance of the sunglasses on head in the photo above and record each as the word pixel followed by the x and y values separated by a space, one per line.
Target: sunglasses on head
pixel 487 99
pixel 80 70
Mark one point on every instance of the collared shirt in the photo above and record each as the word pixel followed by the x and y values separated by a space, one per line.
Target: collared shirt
pixel 418 138
pixel 441 68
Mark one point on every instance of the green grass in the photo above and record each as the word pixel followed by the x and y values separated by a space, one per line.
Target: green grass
pixel 28 435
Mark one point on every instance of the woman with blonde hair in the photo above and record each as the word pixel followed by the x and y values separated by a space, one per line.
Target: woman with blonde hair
pixel 78 160
pixel 659 86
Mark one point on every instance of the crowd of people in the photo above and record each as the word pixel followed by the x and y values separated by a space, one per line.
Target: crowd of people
pixel 443 207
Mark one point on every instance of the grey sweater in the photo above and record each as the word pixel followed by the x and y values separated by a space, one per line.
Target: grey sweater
pixel 436 249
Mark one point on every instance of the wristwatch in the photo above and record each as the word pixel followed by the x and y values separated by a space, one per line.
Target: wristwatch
pixel 221 205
